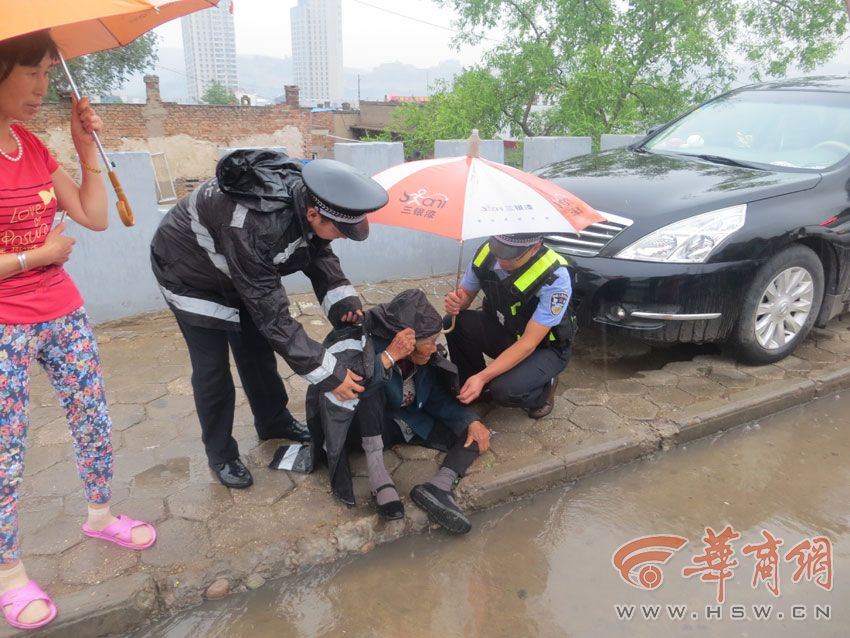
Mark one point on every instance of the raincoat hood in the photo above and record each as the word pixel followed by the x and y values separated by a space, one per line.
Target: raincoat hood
pixel 260 179
pixel 409 309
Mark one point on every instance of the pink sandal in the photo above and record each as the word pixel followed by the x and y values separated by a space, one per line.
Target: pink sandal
pixel 120 532
pixel 14 601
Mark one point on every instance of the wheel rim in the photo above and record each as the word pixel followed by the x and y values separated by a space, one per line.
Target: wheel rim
pixel 784 307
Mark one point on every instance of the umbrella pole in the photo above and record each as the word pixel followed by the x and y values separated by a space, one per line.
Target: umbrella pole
pixel 457 285
pixel 125 211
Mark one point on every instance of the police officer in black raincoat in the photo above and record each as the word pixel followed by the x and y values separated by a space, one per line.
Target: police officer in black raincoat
pixel 219 257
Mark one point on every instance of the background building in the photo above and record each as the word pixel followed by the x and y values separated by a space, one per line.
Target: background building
pixel 209 46
pixel 317 50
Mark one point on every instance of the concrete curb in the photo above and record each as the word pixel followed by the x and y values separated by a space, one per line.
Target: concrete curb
pixel 128 602
pixel 709 417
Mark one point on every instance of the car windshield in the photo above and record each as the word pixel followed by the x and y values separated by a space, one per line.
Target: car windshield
pixel 795 129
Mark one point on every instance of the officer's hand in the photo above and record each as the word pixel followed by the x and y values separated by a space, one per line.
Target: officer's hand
pixel 478 433
pixel 355 316
pixel 471 389
pixel 348 389
pixel 402 344
pixel 456 301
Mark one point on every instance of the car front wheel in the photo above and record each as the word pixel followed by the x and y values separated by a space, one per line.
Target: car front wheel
pixel 780 306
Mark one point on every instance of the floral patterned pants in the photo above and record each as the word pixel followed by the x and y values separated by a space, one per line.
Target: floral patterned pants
pixel 66 349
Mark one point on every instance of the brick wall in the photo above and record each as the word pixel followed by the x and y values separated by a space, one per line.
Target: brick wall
pixel 190 135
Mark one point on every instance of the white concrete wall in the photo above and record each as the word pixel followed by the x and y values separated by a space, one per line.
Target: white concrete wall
pixel 370 157
pixel 542 151
pixel 112 268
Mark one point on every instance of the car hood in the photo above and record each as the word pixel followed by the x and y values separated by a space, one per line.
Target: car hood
pixel 654 190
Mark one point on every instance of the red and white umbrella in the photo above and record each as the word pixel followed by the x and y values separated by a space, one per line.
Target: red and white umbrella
pixel 466 197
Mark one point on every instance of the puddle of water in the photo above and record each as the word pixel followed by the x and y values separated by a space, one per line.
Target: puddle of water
pixel 544 567
pixel 164 474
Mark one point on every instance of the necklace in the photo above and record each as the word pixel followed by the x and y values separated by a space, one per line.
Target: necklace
pixel 20 146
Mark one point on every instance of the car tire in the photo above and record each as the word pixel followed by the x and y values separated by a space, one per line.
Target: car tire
pixel 777 298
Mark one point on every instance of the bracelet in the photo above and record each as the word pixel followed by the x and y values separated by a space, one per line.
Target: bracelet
pixel 392 361
pixel 22 261
pixel 90 169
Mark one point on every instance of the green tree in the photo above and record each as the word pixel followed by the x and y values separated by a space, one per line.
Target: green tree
pixel 608 66
pixel 452 111
pixel 101 73
pixel 218 94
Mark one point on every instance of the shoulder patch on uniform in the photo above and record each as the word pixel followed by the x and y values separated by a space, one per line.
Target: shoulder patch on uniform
pixel 557 302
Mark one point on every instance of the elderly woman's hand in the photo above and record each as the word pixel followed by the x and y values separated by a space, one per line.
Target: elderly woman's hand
pixel 480 434
pixel 402 344
pixel 355 316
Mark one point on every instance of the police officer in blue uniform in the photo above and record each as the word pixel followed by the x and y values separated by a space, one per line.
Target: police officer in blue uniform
pixel 219 257
pixel 526 323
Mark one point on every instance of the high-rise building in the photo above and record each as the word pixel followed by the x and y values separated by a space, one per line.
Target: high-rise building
pixel 209 46
pixel 317 50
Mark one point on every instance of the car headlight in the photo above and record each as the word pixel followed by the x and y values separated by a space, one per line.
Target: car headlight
pixel 689 241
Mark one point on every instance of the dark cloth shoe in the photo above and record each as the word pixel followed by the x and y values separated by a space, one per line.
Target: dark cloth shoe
pixel 392 510
pixel 546 408
pixel 295 431
pixel 441 507
pixel 233 474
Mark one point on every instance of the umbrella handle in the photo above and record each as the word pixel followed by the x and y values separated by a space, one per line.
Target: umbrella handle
pixel 449 323
pixel 125 211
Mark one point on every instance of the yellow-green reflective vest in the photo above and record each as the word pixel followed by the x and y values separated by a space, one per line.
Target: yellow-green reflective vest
pixel 513 300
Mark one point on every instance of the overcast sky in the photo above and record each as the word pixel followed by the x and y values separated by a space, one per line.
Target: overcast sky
pixel 373 32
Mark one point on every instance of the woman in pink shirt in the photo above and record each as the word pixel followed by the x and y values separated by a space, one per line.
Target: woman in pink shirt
pixel 42 316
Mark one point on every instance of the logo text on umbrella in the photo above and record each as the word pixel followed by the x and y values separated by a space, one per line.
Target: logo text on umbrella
pixel 422 204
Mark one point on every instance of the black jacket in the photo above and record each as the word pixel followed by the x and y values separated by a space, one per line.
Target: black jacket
pixel 224 249
pixel 330 419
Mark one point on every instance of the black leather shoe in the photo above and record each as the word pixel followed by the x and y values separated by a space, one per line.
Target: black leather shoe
pixel 391 511
pixel 233 474
pixel 546 408
pixel 441 507
pixel 295 431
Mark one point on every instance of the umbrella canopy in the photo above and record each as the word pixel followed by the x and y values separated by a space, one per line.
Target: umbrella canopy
pixel 466 197
pixel 89 26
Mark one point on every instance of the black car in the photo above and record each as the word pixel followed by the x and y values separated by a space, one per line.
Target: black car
pixel 729 224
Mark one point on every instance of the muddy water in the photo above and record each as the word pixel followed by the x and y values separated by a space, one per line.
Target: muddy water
pixel 543 567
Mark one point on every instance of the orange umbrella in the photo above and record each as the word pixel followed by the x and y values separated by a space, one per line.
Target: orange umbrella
pixel 88 26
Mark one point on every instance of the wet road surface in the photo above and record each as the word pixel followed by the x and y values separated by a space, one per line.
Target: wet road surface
pixel 543 567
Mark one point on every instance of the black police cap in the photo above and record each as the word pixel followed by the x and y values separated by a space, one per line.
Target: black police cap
pixel 344 195
pixel 512 246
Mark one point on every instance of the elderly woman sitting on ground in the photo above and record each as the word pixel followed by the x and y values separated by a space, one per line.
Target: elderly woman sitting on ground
pixel 410 398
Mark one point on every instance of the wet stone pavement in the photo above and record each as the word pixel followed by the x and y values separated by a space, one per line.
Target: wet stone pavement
pixel 212 541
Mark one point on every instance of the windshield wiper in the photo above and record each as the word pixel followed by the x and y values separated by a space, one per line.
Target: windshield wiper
pixel 728 161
